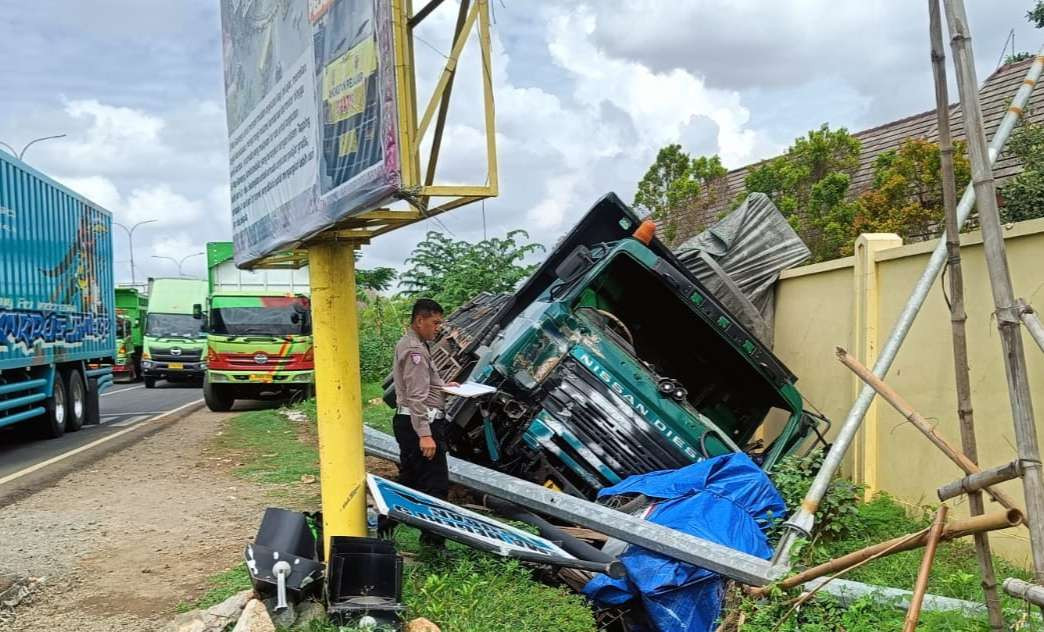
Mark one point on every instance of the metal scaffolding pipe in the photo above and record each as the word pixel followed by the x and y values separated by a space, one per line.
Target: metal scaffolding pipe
pixel 801 522
pixel 976 482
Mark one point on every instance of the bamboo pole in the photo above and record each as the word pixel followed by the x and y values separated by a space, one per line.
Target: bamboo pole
pixel 1008 322
pixel 956 529
pixel 1032 323
pixel 975 482
pixel 918 421
pixel 958 315
pixel 1025 591
pixel 913 613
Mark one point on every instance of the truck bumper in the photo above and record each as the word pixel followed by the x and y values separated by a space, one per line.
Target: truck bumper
pixel 151 368
pixel 261 378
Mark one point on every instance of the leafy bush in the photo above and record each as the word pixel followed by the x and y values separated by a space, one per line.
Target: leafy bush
pixel 793 476
pixel 381 324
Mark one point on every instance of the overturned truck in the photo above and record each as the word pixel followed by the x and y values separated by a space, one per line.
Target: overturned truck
pixel 612 359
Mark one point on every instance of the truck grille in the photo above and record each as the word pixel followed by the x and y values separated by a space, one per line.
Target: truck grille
pixel 163 354
pixel 606 425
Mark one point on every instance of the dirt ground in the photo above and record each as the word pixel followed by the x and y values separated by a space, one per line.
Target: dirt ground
pixel 123 542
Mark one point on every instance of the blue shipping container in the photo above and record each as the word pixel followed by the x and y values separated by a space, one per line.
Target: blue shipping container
pixel 57 302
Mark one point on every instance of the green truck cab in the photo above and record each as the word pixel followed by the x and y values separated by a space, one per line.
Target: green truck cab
pixel 259 332
pixel 259 346
pixel 124 365
pixel 133 305
pixel 612 360
pixel 174 341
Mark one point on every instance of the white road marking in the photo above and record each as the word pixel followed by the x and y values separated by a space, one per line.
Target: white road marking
pixel 128 422
pixel 110 437
pixel 122 390
pixel 137 412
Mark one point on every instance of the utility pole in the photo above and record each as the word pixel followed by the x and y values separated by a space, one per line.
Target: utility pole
pixel 958 315
pixel 130 240
pixel 1007 311
pixel 178 262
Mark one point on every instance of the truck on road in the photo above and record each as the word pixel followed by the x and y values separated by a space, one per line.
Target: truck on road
pixel 259 332
pixel 133 305
pixel 57 306
pixel 174 342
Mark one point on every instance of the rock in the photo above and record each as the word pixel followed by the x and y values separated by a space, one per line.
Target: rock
pixel 254 618
pixel 307 478
pixel 213 619
pixel 307 612
pixel 421 625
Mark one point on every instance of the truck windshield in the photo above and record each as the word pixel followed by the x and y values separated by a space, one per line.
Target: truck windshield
pixel 175 325
pixel 268 320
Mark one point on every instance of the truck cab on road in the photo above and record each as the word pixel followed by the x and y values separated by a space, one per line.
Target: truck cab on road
pixel 174 340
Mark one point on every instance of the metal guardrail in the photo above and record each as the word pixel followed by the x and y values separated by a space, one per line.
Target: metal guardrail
pixel 731 563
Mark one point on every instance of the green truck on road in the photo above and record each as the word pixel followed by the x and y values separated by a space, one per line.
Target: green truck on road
pixel 132 305
pixel 174 342
pixel 258 332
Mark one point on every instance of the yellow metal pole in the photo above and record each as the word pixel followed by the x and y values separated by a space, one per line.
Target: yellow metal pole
pixel 335 330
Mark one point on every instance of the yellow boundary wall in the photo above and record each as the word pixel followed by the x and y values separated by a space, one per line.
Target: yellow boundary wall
pixel 854 302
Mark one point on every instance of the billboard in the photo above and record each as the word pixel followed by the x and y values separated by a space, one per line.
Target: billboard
pixel 439 516
pixel 312 117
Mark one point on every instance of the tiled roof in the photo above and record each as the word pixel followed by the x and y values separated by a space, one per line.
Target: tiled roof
pixel 995 97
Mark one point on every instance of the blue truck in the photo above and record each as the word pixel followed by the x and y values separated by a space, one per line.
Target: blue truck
pixel 57 302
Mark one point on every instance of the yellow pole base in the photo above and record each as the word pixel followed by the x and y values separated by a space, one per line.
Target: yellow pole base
pixel 335 330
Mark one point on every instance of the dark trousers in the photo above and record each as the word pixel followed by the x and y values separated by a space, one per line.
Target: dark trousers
pixel 429 476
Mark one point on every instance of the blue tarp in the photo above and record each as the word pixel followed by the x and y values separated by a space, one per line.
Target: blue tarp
pixel 726 499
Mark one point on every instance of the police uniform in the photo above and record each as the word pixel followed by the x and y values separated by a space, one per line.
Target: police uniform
pixel 421 403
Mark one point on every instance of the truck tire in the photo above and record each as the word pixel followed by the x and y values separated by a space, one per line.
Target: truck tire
pixel 150 382
pixel 217 396
pixel 52 423
pixel 76 392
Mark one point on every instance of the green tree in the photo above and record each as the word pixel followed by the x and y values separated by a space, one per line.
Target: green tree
pixel 375 280
pixel 1022 197
pixel 906 195
pixel 674 183
pixel 809 184
pixel 454 271
pixel 1036 14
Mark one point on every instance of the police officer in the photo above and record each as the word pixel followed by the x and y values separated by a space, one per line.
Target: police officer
pixel 420 424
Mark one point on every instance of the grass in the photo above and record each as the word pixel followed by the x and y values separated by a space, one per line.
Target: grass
pixel 222 586
pixel 465 591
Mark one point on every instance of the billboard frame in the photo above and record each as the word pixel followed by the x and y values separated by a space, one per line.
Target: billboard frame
pixel 425 196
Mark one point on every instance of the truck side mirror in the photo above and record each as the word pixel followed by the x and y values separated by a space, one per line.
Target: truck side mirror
pixel 295 318
pixel 197 311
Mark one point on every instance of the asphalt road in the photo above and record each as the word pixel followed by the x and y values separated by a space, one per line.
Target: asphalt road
pixel 122 406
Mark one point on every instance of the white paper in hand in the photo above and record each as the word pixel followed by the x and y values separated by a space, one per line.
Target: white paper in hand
pixel 469 389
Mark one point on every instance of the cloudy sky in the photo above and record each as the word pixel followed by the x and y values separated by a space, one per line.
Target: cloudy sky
pixel 586 92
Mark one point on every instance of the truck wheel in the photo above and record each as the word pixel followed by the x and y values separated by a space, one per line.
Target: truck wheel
pixel 217 397
pixel 76 393
pixel 52 424
pixel 150 382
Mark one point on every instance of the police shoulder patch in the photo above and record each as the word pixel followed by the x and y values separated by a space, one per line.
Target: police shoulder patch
pixel 416 357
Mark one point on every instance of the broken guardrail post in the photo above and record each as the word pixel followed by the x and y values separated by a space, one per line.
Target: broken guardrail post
pixel 1025 591
pixel 976 482
pixel 737 565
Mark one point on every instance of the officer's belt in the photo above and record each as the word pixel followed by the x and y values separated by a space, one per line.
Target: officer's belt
pixel 403 410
